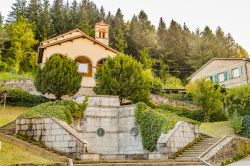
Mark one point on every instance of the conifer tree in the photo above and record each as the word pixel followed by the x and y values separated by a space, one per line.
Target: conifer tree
pixel 118 32
pixel 57 16
pixel 33 15
pixel 18 9
pixel 74 15
pixel 45 22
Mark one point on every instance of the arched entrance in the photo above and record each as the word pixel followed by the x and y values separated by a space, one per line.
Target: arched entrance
pixel 100 62
pixel 84 66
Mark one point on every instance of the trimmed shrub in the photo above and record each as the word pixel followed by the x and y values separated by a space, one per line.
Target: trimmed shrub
pixel 21 97
pixel 59 76
pixel 236 122
pixel 153 122
pixel 124 76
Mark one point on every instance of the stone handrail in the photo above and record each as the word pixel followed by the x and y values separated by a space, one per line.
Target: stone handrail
pixel 171 142
pixel 209 149
pixel 72 132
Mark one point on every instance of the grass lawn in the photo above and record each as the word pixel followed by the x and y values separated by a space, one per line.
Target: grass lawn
pixel 10 114
pixel 217 129
pixel 12 76
pixel 10 154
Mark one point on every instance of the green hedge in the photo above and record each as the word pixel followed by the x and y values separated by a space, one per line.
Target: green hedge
pixel 21 97
pixel 65 110
pixel 153 122
pixel 197 115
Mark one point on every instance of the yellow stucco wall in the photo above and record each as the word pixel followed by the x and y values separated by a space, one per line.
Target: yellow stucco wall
pixel 80 47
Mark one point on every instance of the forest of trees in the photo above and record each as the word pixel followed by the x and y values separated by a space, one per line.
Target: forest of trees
pixel 173 49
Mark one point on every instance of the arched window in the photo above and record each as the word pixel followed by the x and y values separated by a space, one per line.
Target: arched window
pixel 84 66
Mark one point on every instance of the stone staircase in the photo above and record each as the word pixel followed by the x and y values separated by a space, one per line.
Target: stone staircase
pixel 197 149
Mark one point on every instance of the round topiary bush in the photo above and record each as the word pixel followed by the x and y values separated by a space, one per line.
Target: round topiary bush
pixel 59 76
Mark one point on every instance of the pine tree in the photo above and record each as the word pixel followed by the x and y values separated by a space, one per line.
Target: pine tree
pixel 57 16
pixel 118 32
pixel 18 9
pixel 161 35
pixel 1 19
pixel 141 34
pixel 45 22
pixel 33 15
pixel 102 14
pixel 74 15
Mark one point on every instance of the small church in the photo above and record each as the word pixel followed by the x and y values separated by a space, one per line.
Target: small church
pixel 89 53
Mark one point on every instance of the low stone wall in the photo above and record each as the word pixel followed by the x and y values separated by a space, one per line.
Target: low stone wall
pixel 225 149
pixel 27 85
pixel 162 100
pixel 54 134
pixel 180 136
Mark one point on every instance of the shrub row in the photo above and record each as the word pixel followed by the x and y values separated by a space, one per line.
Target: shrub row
pixel 65 110
pixel 153 122
pixel 197 115
pixel 20 97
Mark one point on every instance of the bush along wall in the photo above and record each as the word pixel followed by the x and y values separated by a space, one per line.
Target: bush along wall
pixel 65 110
pixel 196 114
pixel 20 97
pixel 153 122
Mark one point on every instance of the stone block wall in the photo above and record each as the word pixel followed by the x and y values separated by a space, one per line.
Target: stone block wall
pixel 180 136
pixel 54 134
pixel 105 112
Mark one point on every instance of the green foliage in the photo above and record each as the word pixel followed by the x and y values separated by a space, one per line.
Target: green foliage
pixel 194 114
pixel 153 122
pixel 124 76
pixel 145 59
pixel 242 150
pixel 65 110
pixel 21 97
pixel 236 122
pixel 178 96
pixel 238 99
pixel 59 76
pixel 22 42
pixel 157 86
pixel 118 32
pixel 173 83
pixel 4 76
pixel 208 97
pixel 246 126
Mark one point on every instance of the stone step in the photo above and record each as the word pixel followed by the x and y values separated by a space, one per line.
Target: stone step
pixel 145 164
pixel 133 161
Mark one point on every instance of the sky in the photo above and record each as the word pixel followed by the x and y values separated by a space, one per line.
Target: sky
pixel 232 15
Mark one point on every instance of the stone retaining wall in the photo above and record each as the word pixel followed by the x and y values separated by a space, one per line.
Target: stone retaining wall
pixel 54 134
pixel 122 135
pixel 180 136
